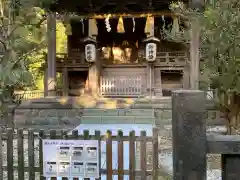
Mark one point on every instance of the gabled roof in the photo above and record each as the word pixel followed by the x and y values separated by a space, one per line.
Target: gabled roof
pixel 85 7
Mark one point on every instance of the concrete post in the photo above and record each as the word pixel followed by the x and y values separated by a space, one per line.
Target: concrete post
pixel 189 135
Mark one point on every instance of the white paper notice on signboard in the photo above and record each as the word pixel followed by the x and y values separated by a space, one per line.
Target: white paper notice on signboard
pixel 70 158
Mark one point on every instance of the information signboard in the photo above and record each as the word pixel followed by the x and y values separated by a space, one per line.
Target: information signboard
pixel 70 158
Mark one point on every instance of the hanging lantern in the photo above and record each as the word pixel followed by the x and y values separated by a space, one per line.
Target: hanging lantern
pixel 120 26
pixel 151 48
pixel 90 52
pixel 90 49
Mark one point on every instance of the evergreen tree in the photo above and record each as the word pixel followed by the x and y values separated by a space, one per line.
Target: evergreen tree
pixel 220 53
pixel 22 39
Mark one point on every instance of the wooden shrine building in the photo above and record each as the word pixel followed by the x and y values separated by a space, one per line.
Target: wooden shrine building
pixel 119 29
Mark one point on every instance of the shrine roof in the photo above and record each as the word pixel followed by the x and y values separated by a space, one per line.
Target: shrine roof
pixel 86 7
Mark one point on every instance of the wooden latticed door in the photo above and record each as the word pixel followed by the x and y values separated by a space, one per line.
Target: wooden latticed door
pixel 121 86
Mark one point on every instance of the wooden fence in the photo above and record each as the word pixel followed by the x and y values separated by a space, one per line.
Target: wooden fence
pixel 190 143
pixel 20 136
pixel 26 95
pixel 34 94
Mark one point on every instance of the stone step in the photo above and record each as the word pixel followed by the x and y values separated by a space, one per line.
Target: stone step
pixel 150 106
pixel 82 112
pixel 163 114
pixel 72 122
pixel 118 112
pixel 157 100
pixel 117 120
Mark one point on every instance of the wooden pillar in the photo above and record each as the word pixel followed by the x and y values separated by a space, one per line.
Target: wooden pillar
pixel 150 80
pixel 194 55
pixel 93 79
pixel 186 78
pixel 51 58
pixel 45 81
pixel 149 30
pixel 189 135
pixel 93 73
pixel 158 82
pixel 65 81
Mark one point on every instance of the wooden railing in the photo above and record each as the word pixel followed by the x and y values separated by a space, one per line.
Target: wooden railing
pixel 72 60
pixel 27 95
pixel 172 58
pixel 106 88
pixel 178 58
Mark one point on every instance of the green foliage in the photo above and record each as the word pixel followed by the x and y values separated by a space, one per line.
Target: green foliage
pixel 22 37
pixel 220 52
pixel 23 42
pixel 220 44
pixel 61 38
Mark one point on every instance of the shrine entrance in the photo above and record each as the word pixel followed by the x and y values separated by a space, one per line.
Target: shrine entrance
pixel 121 45
pixel 122 74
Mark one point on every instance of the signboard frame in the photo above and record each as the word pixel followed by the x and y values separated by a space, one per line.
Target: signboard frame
pixel 63 157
